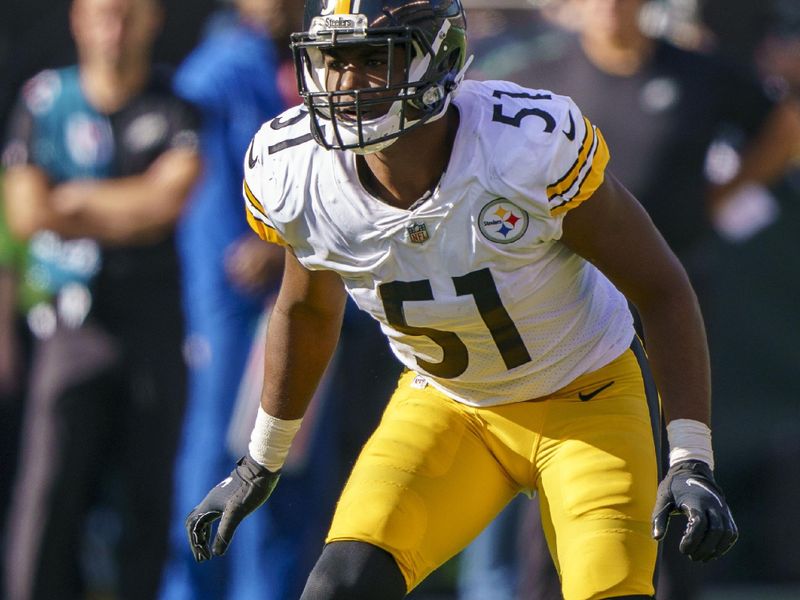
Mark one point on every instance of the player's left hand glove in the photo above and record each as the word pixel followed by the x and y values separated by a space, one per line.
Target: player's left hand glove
pixel 244 490
pixel 689 488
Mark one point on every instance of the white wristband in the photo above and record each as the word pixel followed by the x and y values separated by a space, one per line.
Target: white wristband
pixel 689 440
pixel 271 439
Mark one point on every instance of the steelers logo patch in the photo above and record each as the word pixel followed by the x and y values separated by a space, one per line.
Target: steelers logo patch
pixel 502 221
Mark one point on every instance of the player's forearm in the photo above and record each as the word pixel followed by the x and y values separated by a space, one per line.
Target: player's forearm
pixel 678 353
pixel 300 344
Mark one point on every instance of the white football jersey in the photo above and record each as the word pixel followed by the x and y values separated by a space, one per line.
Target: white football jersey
pixel 472 286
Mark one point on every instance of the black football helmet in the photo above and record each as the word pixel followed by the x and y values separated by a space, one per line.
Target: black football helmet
pixel 431 32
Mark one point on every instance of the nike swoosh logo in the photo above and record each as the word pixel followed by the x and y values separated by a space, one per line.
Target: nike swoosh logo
pixel 251 160
pixel 571 133
pixel 593 393
pixel 691 481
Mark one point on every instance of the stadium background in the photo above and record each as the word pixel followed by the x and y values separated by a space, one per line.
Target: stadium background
pixel 757 361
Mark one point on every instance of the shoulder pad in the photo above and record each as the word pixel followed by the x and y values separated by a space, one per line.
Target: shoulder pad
pixel 270 163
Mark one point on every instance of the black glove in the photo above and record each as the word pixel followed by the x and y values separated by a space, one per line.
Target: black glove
pixel 244 490
pixel 689 488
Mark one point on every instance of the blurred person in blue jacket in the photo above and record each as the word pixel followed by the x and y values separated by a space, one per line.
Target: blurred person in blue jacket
pixel 234 78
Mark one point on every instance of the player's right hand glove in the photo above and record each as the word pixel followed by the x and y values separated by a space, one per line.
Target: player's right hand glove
pixel 689 488
pixel 244 490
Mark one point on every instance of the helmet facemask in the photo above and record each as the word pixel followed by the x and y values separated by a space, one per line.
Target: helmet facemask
pixel 369 119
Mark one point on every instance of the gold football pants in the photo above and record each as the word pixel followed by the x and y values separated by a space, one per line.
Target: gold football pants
pixel 436 472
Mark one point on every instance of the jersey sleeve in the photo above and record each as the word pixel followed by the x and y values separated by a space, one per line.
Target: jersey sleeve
pixel 553 157
pixel 577 164
pixel 254 189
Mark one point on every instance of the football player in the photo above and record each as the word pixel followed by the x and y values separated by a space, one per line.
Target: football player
pixel 478 224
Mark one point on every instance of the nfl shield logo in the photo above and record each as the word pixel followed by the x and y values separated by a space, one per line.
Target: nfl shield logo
pixel 418 233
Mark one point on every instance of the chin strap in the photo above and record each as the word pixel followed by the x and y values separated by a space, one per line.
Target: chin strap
pixel 461 74
pixel 450 88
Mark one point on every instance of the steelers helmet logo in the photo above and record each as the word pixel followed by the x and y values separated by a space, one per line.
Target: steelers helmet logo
pixel 502 221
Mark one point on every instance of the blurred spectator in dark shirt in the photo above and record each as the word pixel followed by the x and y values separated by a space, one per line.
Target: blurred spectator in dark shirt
pixel 662 107
pixel 693 135
pixel 99 160
pixel 755 325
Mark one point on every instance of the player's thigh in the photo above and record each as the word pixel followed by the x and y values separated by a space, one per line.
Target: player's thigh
pixel 598 489
pixel 424 485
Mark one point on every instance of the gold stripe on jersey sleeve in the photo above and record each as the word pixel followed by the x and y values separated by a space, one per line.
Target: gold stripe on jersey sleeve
pixel 591 181
pixel 569 178
pixel 257 219
pixel 342 7
pixel 251 197
pixel 265 232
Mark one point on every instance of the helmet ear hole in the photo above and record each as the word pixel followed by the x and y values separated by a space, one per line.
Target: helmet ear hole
pixel 433 96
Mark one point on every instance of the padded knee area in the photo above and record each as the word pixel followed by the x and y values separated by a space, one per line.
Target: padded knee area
pixel 354 571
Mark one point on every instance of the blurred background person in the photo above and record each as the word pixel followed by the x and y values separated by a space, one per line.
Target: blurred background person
pixel 756 321
pixel 663 106
pixel 695 134
pixel 233 78
pixel 22 27
pixel 99 160
pixel 240 76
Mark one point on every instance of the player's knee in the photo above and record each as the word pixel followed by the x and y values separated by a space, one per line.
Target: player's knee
pixel 354 571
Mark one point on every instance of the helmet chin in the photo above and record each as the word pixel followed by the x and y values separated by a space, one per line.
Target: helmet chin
pixel 385 130
pixel 376 134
